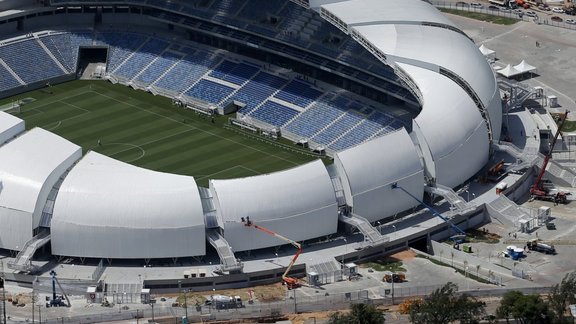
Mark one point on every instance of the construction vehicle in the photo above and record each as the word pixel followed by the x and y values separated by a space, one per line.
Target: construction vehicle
pixel 496 171
pixel 291 283
pixel 541 191
pixel 522 4
pixel 57 301
pixel 396 277
pixel 225 302
pixel 537 245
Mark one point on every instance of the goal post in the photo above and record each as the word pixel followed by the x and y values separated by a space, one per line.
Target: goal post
pixel 11 108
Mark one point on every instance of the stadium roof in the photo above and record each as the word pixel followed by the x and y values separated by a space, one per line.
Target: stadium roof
pixel 370 169
pixel 26 164
pixel 299 203
pixel 108 208
pixel 454 131
pixel 10 126
pixel 371 12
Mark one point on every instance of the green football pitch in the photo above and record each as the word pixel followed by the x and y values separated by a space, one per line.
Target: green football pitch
pixel 148 131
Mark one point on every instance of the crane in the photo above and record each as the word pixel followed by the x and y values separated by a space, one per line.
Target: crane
pixel 290 282
pixel 538 191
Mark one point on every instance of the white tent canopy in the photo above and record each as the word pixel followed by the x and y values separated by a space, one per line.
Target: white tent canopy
pixel 524 67
pixel 486 51
pixel 508 71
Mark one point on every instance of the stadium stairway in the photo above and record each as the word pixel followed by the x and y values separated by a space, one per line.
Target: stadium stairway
pixel 7 67
pixel 224 250
pixel 371 234
pixel 447 193
pixel 508 209
pixel 23 259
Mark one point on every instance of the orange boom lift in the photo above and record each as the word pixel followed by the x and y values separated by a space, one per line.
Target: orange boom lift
pixel 290 282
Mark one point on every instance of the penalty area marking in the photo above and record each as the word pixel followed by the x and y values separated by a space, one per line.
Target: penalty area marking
pixel 142 151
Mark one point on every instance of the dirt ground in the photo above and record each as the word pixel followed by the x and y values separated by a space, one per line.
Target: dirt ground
pixel 266 293
pixel 406 255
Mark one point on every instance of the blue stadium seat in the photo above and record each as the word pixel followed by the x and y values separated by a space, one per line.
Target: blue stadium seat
pixel 30 61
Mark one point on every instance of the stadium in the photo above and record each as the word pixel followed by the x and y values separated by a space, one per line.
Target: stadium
pixel 387 98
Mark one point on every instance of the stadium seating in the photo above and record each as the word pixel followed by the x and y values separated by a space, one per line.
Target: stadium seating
pixel 314 119
pixel 156 69
pixel 298 93
pixel 7 81
pixel 237 73
pixel 30 61
pixel 121 46
pixel 209 91
pixel 60 46
pixel 274 113
pixel 187 71
pixel 253 93
pixel 141 58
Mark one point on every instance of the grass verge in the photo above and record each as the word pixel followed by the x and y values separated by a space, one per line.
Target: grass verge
pixel 481 16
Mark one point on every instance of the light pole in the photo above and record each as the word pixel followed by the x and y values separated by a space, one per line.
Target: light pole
pixel 186 304
pixel 473 196
pixel 394 227
pixel 468 192
pixel 152 304
pixel 379 227
pixel 346 249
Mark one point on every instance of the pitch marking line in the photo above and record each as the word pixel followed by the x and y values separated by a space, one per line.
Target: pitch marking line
pixel 226 170
pixel 144 144
pixel 59 123
pixel 142 151
pixel 192 127
pixel 56 101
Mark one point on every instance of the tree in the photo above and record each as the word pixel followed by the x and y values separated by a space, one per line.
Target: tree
pixel 444 305
pixel 561 295
pixel 507 303
pixel 359 314
pixel 525 309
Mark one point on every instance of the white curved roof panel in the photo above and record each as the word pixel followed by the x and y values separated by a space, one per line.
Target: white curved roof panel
pixel 110 209
pixel 30 165
pixel 367 172
pixel 298 203
pixel 362 12
pixel 10 126
pixel 455 132
pixel 428 47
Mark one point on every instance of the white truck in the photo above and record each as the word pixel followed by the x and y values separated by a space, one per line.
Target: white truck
pixel 225 302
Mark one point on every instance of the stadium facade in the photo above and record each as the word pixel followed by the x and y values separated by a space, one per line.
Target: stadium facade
pixel 402 53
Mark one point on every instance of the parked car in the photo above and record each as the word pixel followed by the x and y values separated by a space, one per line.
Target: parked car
pixel 476 5
pixel 557 10
pixel 492 7
pixel 570 21
pixel 531 14
pixel 519 11
pixel 462 4
pixel 570 11
pixel 556 19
